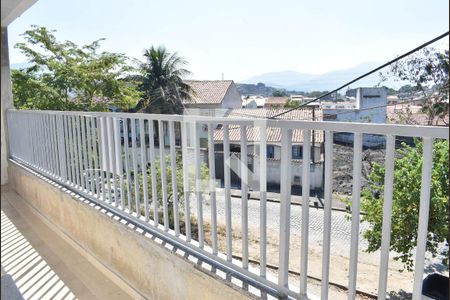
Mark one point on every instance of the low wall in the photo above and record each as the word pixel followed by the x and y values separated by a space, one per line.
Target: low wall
pixel 144 264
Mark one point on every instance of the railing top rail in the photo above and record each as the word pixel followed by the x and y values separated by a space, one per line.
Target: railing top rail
pixel 353 127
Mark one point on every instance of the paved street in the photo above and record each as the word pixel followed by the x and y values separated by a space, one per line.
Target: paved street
pixel 340 225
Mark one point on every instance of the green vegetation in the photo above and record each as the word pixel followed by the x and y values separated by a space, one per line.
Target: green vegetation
pixel 280 93
pixel 406 199
pixel 64 76
pixel 170 193
pixel 179 178
pixel 161 81
pixel 427 75
pixel 292 103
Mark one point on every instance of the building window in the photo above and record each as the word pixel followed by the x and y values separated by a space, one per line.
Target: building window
pixel 270 151
pixel 297 152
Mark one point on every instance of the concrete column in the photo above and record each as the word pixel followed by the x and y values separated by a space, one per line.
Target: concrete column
pixel 7 103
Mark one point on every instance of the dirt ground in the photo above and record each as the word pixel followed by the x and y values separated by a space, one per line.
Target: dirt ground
pixel 368 264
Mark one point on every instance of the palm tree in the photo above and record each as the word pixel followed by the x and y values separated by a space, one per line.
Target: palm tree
pixel 162 82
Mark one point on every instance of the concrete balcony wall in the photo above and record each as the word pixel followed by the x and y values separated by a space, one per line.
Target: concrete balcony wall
pixel 144 264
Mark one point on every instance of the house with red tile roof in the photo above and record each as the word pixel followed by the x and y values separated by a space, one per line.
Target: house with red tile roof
pixel 213 94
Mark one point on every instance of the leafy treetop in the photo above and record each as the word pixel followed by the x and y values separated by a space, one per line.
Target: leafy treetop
pixel 64 76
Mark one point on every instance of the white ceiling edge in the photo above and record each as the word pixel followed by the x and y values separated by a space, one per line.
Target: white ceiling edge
pixel 12 9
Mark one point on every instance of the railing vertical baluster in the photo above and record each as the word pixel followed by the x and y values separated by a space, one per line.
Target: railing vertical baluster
pixel 54 146
pixel 58 146
pixel 96 156
pixel 227 186
pixel 71 151
pixel 135 167
pixel 101 155
pixel 162 161
pixel 21 143
pixel 244 196
pixel 80 153
pixel 356 193
pixel 305 212
pixel 39 141
pixel 387 214
pixel 212 186
pixel 89 155
pixel 11 132
pixel 144 168
pixel 75 149
pixel 112 156
pixel 106 156
pixel 151 135
pixel 187 209
pixel 65 136
pixel 119 163
pixel 427 166
pixel 126 145
pixel 285 205
pixel 198 191
pixel 48 162
pixel 263 200
pixel 173 166
pixel 85 159
pixel 328 202
pixel 37 151
pixel 28 140
pixel 31 140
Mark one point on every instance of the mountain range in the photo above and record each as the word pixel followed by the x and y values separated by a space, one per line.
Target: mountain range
pixel 298 81
pixel 304 82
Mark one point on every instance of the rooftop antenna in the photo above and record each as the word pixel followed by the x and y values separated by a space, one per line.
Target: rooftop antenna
pixel 222 76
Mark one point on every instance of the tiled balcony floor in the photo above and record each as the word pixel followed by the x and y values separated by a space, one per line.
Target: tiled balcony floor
pixel 42 264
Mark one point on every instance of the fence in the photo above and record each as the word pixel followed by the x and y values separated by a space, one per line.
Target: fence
pixel 96 155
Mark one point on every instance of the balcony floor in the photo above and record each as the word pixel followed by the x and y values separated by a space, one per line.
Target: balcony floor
pixel 42 264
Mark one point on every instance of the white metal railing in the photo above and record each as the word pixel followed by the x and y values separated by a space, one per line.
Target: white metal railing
pixel 110 158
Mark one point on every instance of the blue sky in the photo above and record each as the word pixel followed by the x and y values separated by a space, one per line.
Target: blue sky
pixel 245 38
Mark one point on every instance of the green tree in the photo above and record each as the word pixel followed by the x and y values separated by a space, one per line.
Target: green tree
pixel 406 199
pixel 161 81
pixel 291 104
pixel 426 73
pixel 64 76
pixel 170 192
pixel 280 93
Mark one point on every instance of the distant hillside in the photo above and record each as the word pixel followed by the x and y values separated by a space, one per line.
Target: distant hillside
pixel 257 89
pixel 292 80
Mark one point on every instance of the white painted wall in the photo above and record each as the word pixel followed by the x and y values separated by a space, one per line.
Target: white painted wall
pixel 6 101
pixel 370 108
pixel 367 109
pixel 232 97
pixel 274 173
pixel 254 149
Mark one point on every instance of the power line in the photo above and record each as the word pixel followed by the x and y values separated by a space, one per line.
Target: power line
pixel 367 74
